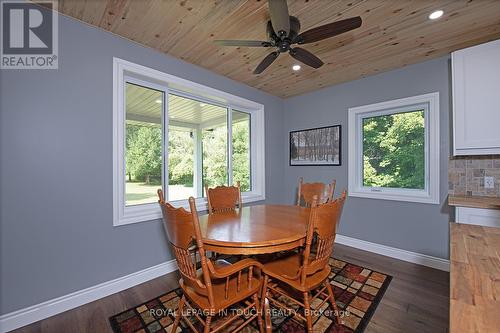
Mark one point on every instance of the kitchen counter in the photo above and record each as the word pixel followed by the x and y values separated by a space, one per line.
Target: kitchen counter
pixel 474 278
pixel 474 202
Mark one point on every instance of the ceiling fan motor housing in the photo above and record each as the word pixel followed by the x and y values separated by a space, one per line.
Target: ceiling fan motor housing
pixel 283 44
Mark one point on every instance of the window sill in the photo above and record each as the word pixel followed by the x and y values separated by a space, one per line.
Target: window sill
pixel 396 196
pixel 151 212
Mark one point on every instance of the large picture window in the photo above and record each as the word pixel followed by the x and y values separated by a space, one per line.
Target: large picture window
pixel 179 136
pixel 394 150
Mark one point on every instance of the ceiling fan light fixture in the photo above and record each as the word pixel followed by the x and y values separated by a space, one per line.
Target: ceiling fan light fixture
pixel 296 67
pixel 436 14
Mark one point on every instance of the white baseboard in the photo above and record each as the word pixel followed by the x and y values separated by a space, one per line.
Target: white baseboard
pixel 26 316
pixel 413 257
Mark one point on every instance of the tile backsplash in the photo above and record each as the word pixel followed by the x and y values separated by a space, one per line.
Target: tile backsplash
pixel 466 175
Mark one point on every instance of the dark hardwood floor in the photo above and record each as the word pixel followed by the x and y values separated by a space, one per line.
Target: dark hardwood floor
pixel 417 300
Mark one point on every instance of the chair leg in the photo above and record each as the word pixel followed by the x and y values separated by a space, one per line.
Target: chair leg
pixel 208 321
pixel 266 310
pixel 332 301
pixel 264 289
pixel 307 312
pixel 259 312
pixel 178 315
pixel 267 315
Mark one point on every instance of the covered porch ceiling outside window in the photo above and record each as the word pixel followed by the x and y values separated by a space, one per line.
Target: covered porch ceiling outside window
pixel 144 107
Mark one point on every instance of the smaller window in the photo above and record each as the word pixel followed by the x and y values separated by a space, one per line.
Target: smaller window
pixel 394 150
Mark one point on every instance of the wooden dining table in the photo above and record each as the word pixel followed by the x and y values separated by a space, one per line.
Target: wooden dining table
pixel 255 229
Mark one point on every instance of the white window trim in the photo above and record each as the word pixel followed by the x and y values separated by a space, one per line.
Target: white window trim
pixel 431 193
pixel 146 212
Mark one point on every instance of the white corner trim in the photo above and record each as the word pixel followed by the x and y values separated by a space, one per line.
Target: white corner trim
pixel 413 257
pixel 26 316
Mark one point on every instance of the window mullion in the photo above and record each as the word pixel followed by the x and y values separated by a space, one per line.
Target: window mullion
pixel 165 143
pixel 198 162
pixel 230 145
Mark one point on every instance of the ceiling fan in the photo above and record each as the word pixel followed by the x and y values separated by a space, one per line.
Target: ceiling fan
pixel 283 32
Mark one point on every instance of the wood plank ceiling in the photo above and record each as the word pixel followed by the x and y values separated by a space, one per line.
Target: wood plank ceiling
pixel 395 33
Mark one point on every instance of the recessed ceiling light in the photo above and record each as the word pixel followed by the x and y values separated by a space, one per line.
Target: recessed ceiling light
pixel 436 14
pixel 203 104
pixel 296 67
pixel 158 101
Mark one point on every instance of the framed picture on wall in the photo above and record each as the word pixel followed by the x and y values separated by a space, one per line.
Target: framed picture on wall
pixel 316 146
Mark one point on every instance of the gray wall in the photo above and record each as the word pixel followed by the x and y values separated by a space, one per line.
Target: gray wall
pixel 421 228
pixel 56 169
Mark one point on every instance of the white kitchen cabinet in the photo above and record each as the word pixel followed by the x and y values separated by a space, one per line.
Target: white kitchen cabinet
pixel 478 216
pixel 476 99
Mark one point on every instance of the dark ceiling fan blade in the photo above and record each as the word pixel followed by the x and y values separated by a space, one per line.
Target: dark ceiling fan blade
pixel 306 57
pixel 328 30
pixel 280 19
pixel 246 43
pixel 268 60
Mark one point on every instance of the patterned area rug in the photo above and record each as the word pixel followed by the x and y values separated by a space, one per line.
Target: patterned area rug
pixel 358 291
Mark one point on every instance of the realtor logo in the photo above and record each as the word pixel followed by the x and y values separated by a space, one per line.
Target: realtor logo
pixel 29 35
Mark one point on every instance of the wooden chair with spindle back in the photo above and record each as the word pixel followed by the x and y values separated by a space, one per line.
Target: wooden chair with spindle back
pixel 307 191
pixel 307 271
pixel 213 288
pixel 223 198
